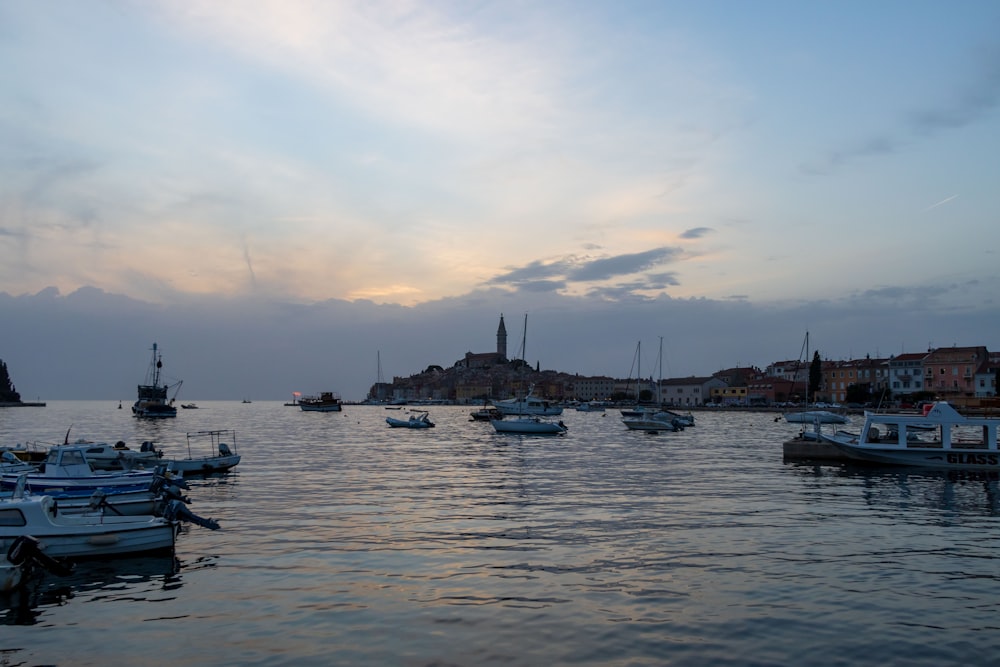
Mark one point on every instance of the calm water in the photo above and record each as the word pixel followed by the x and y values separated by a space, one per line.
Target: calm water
pixel 346 542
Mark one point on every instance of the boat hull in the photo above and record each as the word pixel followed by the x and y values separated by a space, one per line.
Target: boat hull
pixel 320 408
pixel 651 425
pixel 203 466
pixel 82 535
pixel 528 427
pixel 954 441
pixel 408 423
pixel 951 459
pixel 813 416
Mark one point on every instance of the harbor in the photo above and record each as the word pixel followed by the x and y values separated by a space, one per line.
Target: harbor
pixel 601 546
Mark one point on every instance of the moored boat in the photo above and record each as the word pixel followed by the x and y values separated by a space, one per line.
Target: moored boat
pixel 814 416
pixel 220 457
pixel 102 456
pixel 530 405
pixel 67 468
pixel 485 414
pixel 152 398
pixel 654 423
pixel 81 535
pixel 955 442
pixel 420 420
pixel 529 425
pixel 327 401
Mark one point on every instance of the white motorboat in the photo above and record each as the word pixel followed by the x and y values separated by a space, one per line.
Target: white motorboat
pixel 685 419
pixel 103 456
pixel 66 468
pixel 955 442
pixel 532 425
pixel 813 416
pixel 220 457
pixel 421 420
pixel 81 535
pixel 528 405
pixel 655 422
pixel 152 396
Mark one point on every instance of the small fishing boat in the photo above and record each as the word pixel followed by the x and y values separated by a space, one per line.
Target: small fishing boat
pixel 532 425
pixel 221 454
pixel 119 456
pixel 81 535
pixel 67 468
pixel 419 420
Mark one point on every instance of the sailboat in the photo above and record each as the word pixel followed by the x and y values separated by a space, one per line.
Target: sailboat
pixel 529 404
pixel 529 410
pixel 661 420
pixel 152 396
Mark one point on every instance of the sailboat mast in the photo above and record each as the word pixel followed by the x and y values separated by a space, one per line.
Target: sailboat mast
pixel 659 383
pixel 524 340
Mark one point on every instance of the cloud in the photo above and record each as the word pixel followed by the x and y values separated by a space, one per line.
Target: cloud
pixel 542 276
pixel 969 104
pixel 697 232
pixel 92 344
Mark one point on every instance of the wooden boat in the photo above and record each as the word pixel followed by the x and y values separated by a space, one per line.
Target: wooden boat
pixel 152 399
pixel 81 535
pixel 327 401
pixel 421 420
pixel 221 456
pixel 956 441
pixel 529 426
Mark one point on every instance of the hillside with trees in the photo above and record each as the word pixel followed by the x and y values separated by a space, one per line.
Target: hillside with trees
pixel 7 392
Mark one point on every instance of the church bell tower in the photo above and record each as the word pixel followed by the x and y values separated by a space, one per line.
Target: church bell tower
pixel 502 339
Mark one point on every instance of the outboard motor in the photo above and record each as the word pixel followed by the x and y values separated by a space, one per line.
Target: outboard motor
pixel 176 511
pixel 25 551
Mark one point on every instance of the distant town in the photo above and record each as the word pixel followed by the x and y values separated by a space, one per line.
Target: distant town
pixel 965 376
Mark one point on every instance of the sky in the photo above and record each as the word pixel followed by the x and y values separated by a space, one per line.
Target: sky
pixel 284 194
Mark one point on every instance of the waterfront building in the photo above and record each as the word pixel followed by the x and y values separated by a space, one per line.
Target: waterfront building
pixel 950 371
pixel 689 391
pixel 906 374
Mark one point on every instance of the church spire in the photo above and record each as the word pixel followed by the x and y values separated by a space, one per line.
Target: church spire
pixel 502 339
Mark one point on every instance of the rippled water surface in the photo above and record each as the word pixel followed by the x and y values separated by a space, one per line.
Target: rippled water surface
pixel 346 542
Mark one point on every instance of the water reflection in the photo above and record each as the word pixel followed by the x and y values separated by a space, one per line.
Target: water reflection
pixel 134 579
pixel 960 492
